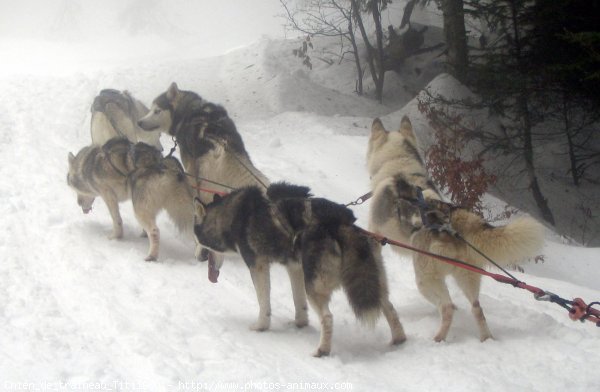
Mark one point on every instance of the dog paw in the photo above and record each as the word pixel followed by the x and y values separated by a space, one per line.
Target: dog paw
pixel 321 353
pixel 438 338
pixel 398 340
pixel 261 325
pixel 115 236
pixel 201 253
pixel 151 258
pixel 301 321
pixel 483 338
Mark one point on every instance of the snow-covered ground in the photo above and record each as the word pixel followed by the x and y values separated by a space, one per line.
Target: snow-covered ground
pixel 81 312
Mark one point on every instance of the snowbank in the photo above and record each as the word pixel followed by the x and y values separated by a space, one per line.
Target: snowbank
pixel 77 308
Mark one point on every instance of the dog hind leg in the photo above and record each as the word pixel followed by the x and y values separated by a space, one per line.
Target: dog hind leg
pixel 470 283
pixel 294 270
pixel 320 303
pixel 262 285
pixel 447 312
pixel 398 335
pixel 391 316
pixel 148 221
pixel 434 289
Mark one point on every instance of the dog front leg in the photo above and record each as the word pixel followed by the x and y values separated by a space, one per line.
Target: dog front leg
pixel 294 270
pixel 262 285
pixel 484 331
pixel 113 208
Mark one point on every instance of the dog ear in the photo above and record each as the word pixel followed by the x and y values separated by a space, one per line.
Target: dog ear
pixel 377 127
pixel 406 129
pixel 199 209
pixel 217 197
pixel 172 92
pixel 71 158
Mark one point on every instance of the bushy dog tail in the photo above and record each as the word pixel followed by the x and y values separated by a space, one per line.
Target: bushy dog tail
pixel 179 203
pixel 181 212
pixel 330 213
pixel 361 274
pixel 284 190
pixel 506 245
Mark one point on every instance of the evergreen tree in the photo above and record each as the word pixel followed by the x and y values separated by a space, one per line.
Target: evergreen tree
pixel 506 79
pixel 567 57
pixel 568 49
pixel 456 37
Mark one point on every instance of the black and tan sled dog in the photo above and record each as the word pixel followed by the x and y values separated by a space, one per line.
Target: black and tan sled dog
pixel 314 234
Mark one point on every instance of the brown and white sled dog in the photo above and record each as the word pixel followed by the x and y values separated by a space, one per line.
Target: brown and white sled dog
pixel 397 171
pixel 115 114
pixel 211 149
pixel 301 232
pixel 120 170
pixel 210 146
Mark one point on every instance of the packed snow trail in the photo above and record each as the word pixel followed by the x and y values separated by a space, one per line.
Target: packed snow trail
pixel 76 307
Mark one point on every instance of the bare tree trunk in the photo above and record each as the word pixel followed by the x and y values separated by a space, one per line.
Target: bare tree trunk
pixel 570 144
pixel 320 18
pixel 359 70
pixel 408 10
pixel 572 157
pixel 456 37
pixel 380 65
pixel 365 37
pixel 534 185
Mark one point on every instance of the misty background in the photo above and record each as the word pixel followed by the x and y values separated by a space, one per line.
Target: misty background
pixel 64 35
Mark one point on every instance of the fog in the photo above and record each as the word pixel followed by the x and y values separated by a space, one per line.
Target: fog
pixel 41 36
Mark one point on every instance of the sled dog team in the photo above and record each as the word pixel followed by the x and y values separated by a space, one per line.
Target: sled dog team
pixel 229 206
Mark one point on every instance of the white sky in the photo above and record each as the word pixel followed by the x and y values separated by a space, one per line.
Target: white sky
pixel 50 35
pixel 64 36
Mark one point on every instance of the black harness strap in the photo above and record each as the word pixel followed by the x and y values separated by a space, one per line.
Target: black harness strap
pixel 447 227
pixel 170 154
pixel 112 164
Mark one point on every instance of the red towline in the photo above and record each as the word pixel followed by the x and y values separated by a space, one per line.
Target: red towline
pixel 578 309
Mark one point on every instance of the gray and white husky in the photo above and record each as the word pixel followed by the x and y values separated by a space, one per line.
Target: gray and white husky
pixel 210 146
pixel 115 114
pixel 120 170
pixel 314 234
pixel 397 174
